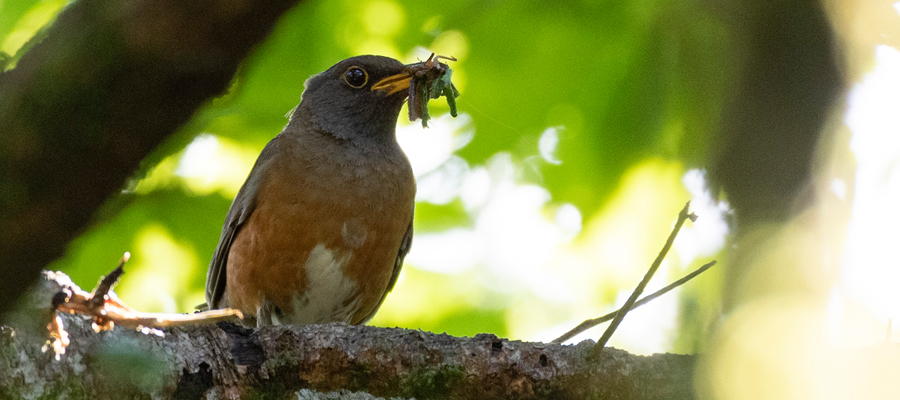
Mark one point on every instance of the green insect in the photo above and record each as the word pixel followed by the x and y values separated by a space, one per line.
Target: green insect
pixel 430 80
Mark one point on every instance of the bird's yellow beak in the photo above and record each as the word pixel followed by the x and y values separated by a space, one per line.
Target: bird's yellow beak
pixel 393 83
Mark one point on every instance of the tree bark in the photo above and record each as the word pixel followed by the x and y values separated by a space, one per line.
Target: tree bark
pixel 81 109
pixel 227 361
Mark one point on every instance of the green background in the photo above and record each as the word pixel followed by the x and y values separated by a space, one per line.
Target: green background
pixel 633 90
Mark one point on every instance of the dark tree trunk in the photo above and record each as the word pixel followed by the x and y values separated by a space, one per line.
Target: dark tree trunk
pixel 84 107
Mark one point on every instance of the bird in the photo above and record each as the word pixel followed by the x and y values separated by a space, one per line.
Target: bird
pixel 319 230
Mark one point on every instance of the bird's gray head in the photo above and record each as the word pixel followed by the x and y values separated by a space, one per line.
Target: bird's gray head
pixel 357 97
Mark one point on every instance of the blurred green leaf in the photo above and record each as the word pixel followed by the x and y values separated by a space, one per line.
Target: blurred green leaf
pixel 194 220
pixel 471 323
pixel 10 12
pixel 22 25
pixel 440 217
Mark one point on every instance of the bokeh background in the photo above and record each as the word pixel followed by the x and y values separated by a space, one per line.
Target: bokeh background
pixel 584 127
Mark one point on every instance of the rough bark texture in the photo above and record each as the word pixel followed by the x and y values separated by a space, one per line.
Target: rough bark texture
pixel 81 110
pixel 226 361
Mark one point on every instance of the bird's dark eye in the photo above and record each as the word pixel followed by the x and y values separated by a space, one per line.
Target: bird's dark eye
pixel 356 77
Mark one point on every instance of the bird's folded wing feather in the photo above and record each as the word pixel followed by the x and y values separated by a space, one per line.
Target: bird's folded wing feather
pixel 241 209
pixel 405 245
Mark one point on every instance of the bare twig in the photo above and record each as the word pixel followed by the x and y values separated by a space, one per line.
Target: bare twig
pixel 588 324
pixel 106 283
pixel 107 310
pixel 629 304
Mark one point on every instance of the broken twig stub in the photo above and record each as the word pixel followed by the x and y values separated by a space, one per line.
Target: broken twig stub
pixel 105 310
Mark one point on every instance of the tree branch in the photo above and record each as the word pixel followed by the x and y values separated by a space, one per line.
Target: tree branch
pixel 228 361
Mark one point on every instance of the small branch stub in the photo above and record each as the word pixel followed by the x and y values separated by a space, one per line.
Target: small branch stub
pixel 106 310
pixel 101 292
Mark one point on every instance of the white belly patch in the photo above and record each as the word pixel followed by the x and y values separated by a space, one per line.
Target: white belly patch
pixel 330 296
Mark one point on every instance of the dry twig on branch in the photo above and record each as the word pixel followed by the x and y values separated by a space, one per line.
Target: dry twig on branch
pixel 633 302
pixel 106 310
pixel 683 216
pixel 588 324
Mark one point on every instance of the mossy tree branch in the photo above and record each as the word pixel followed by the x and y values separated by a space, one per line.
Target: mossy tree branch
pixel 233 362
pixel 228 361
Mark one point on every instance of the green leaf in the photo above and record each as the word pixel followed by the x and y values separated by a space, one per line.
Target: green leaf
pixel 451 94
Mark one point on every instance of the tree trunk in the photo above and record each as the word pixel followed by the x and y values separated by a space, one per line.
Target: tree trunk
pixel 84 107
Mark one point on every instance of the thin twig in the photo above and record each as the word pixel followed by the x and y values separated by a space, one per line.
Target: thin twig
pixel 629 304
pixel 106 283
pixel 588 324
pixel 107 310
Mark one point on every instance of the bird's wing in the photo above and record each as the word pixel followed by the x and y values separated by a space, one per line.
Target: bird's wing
pixel 216 276
pixel 405 245
pixel 241 208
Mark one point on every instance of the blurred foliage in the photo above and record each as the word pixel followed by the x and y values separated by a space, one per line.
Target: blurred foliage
pixel 584 126
pixel 22 24
pixel 623 82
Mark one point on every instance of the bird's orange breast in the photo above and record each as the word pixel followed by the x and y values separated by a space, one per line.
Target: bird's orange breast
pixel 322 240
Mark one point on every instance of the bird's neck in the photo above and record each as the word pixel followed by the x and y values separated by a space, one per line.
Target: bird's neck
pixel 378 128
pixel 376 132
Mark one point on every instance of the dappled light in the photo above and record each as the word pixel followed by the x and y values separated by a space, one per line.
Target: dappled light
pixel 160 262
pixel 815 319
pixel 870 266
pixel 628 233
pixel 539 206
pixel 207 165
pixel 582 130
